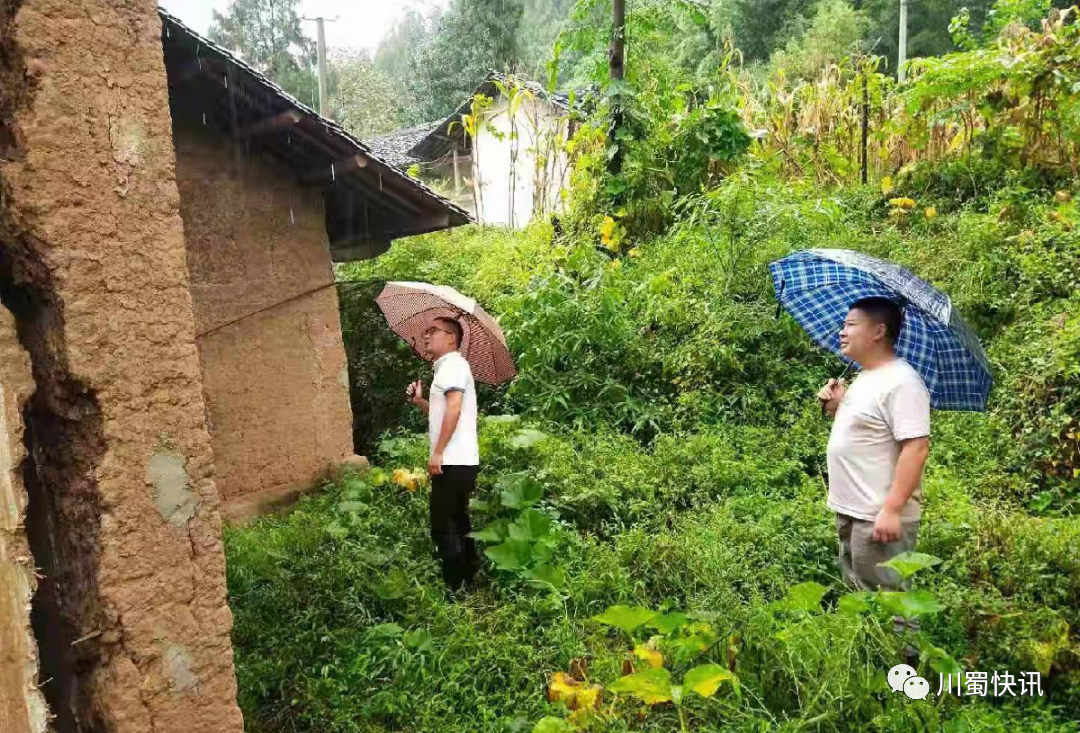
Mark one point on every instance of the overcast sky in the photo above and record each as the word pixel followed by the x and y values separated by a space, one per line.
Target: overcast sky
pixel 360 24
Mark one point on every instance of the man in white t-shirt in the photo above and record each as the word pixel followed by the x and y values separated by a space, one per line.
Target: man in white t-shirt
pixel 455 452
pixel 878 447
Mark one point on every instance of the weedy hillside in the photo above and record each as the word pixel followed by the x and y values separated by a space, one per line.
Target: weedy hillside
pixel 659 556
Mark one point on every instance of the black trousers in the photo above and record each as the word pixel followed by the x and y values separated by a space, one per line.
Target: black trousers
pixel 450 526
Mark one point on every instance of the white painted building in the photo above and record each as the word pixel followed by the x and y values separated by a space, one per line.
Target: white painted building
pixel 513 169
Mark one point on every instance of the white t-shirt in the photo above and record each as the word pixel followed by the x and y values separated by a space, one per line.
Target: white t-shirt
pixel 452 373
pixel 882 407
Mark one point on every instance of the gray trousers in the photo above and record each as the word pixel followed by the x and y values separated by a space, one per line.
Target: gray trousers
pixel 860 555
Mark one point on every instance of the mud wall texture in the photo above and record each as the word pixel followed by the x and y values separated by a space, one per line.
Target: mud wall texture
pixel 123 513
pixel 274 369
pixel 22 706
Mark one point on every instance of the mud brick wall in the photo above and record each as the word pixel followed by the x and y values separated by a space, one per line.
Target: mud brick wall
pixel 22 706
pixel 274 369
pixel 131 615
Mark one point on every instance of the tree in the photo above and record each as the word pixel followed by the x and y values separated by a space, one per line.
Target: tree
pixel 269 36
pixel 928 26
pixel 541 22
pixel 438 61
pixel 396 58
pixel 836 30
pixel 364 99
pixel 758 27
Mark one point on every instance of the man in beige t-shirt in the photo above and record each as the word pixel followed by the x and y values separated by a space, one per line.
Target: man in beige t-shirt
pixel 878 447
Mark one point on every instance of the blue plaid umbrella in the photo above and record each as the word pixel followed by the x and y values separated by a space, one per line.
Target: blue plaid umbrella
pixel 818 286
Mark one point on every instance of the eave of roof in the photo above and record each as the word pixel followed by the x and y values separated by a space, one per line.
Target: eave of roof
pixel 381 179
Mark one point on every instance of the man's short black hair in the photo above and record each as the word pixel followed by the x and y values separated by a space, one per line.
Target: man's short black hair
pixel 454 327
pixel 882 310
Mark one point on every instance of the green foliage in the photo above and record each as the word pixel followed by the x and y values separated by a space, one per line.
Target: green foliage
pixel 363 98
pixel 524 541
pixel 627 618
pixel 437 61
pixel 906 564
pixel 991 89
pixel 656 468
pixel 270 37
pixel 836 30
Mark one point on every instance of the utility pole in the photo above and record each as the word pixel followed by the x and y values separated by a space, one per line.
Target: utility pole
pixel 901 56
pixel 320 23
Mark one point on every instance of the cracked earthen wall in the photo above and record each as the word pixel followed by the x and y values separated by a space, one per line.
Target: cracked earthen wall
pixel 274 369
pixel 22 706
pixel 123 513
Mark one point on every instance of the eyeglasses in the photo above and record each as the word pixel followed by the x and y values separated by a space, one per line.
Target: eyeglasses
pixel 433 329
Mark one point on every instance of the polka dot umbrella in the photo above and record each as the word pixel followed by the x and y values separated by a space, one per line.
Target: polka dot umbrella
pixel 411 307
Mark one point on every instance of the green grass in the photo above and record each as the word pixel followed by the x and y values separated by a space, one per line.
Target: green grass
pixel 684 470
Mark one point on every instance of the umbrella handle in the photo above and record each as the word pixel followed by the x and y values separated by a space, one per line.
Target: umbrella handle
pixel 847 371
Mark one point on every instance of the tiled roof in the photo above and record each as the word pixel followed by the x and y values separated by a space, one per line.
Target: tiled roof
pixel 394 146
pixel 329 142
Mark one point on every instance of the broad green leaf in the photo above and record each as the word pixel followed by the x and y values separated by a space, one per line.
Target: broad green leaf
pixel 940 660
pixel 352 506
pixel 910 604
pixel 547 575
pixel 494 532
pixel 530 525
pixel 705 679
pixel 377 477
pixel 337 529
pixel 394 586
pixel 500 419
pixel 510 555
pixel 805 597
pixel 541 551
pixel 479 505
pixel 355 483
pixel 853 603
pixel 909 563
pixel 627 618
pixel 521 492
pixel 668 623
pixel 686 647
pixel 419 639
pixel 527 438
pixel 651 686
pixel 552 725
pixel 387 630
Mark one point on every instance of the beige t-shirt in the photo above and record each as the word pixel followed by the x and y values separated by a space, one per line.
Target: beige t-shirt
pixel 882 407
pixel 453 374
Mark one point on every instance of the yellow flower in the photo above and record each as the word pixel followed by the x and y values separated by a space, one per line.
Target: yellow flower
pixel 886 185
pixel 903 203
pixel 409 480
pixel 607 234
pixel 930 212
pixel 634 252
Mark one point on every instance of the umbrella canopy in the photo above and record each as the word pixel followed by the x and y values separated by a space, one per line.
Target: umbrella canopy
pixel 411 307
pixel 818 287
